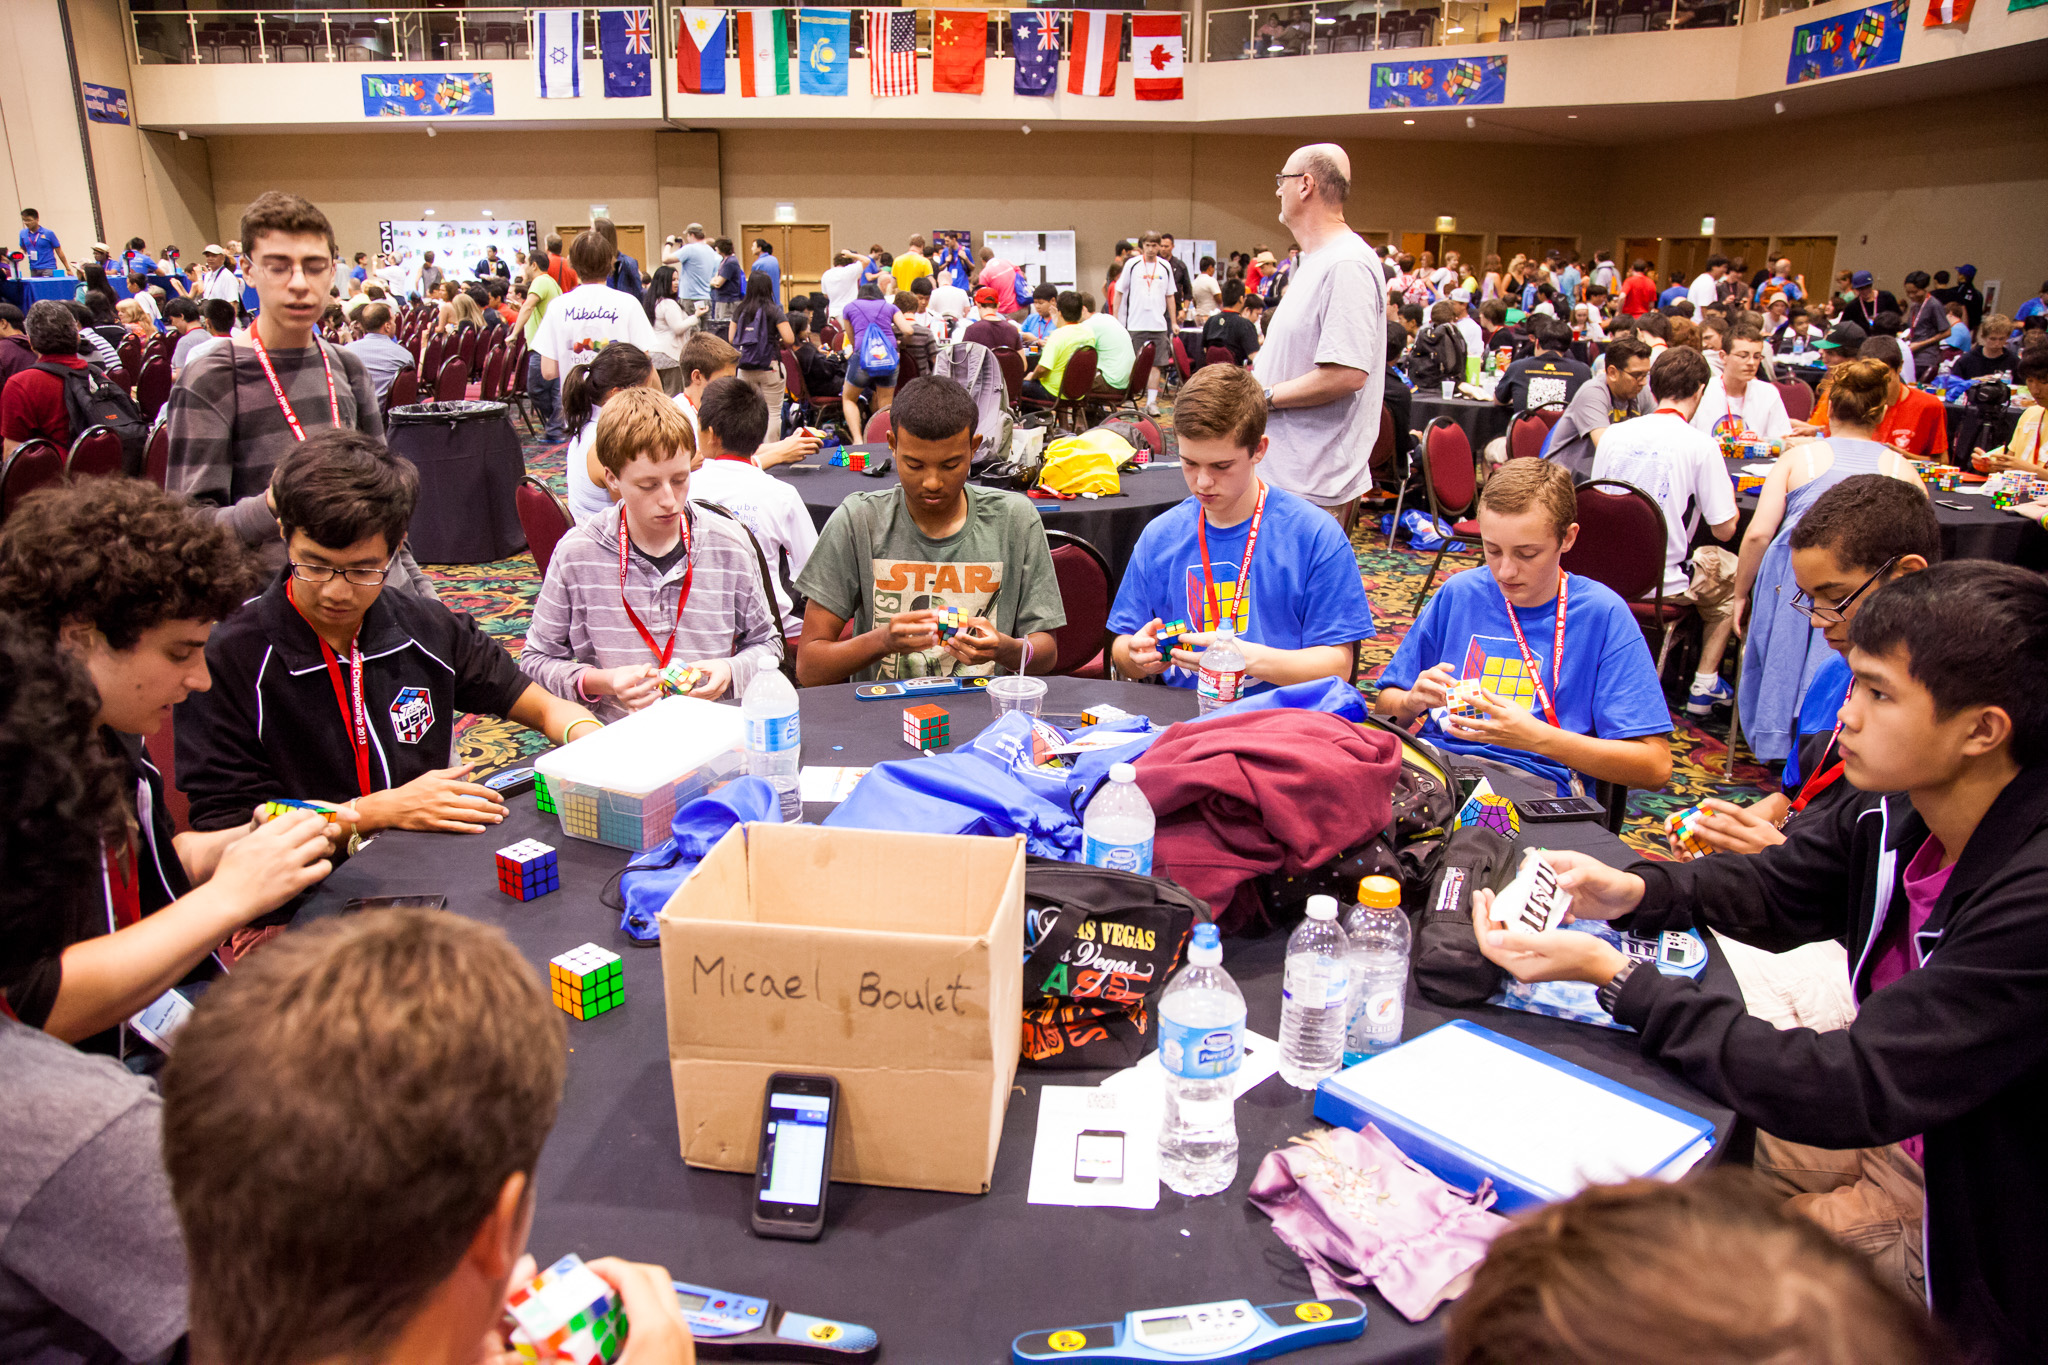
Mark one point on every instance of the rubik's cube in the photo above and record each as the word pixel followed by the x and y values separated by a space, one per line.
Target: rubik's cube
pixel 566 1313
pixel 924 727
pixel 543 799
pixel 1679 833
pixel 270 810
pixel 949 623
pixel 1491 810
pixel 1169 635
pixel 527 870
pixel 586 981
pixel 856 460
pixel 1102 713
pixel 679 680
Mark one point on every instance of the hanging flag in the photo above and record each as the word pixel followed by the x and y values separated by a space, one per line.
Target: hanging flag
pixel 959 50
pixel 625 47
pixel 823 39
pixel 764 52
pixel 892 52
pixel 558 52
pixel 1091 69
pixel 700 51
pixel 1156 56
pixel 2015 6
pixel 1035 43
pixel 1941 12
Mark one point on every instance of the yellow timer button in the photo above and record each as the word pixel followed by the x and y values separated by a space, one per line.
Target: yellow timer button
pixel 1313 1312
pixel 830 1331
pixel 1067 1341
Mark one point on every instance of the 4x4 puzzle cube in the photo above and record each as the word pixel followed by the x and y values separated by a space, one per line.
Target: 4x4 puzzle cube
pixel 566 1313
pixel 925 727
pixel 527 870
pixel 587 981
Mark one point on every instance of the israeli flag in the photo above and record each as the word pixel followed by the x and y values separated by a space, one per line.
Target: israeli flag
pixel 558 51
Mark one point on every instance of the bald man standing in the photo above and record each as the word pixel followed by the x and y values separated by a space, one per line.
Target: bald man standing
pixel 1324 361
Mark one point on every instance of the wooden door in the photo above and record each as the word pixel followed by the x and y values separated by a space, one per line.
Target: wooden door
pixel 806 256
pixel 633 242
pixel 1751 251
pixel 1535 248
pixel 1633 249
pixel 1414 244
pixel 1813 258
pixel 1685 257
pixel 1470 246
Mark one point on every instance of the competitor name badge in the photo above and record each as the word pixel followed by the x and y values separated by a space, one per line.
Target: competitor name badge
pixel 412 714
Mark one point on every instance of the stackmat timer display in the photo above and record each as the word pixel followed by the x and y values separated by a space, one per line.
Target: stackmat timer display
pixel 731 1326
pixel 1215 1333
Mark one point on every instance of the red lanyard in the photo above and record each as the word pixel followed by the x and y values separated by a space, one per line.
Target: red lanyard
pixel 1673 411
pixel 277 389
pixel 661 652
pixel 124 886
pixel 1241 605
pixel 1819 781
pixel 736 459
pixel 1556 647
pixel 355 719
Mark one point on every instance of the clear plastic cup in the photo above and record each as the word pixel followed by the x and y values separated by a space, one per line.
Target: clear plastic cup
pixel 1014 693
pixel 1450 388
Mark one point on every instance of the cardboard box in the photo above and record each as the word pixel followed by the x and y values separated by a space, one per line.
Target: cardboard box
pixel 893 962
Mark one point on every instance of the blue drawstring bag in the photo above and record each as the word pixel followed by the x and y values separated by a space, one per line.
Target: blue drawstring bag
pixel 1423 531
pixel 652 877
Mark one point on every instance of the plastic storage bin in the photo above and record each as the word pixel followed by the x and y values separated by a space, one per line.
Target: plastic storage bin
pixel 621 786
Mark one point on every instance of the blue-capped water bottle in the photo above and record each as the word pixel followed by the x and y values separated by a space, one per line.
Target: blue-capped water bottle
pixel 1201 1045
pixel 1117 829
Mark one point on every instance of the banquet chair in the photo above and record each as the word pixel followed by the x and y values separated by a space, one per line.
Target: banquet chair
pixel 95 454
pixel 153 389
pixel 1526 435
pixel 1622 544
pixel 452 383
pixel 1798 396
pixel 156 456
pixel 1086 591
pixel 404 390
pixel 35 463
pixel 1450 478
pixel 544 517
pixel 878 429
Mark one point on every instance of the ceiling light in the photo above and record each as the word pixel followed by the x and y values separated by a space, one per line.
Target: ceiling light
pixel 1778 107
pixel 489 214
pixel 1324 19
pixel 1454 27
pixel 1409 121
pixel 1571 115
pixel 1471 122
pixel 429 213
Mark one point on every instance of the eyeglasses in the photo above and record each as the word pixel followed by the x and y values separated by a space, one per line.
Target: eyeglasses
pixel 1282 177
pixel 1827 616
pixel 280 272
pixel 324 573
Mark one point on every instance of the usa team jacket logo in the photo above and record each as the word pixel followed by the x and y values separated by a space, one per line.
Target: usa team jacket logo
pixel 412 714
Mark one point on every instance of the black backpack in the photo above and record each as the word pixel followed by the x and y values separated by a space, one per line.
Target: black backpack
pixel 1102 945
pixel 1438 355
pixel 93 400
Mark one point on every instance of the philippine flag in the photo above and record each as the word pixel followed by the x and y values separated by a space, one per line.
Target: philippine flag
pixel 1091 66
pixel 1156 56
pixel 700 52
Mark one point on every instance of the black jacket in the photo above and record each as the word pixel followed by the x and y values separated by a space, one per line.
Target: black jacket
pixel 272 727
pixel 1546 379
pixel 1956 1050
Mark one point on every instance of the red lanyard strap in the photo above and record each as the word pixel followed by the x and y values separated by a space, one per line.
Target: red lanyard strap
pixel 355 717
pixel 661 652
pixel 1241 605
pixel 277 389
pixel 1556 648
pixel 1822 778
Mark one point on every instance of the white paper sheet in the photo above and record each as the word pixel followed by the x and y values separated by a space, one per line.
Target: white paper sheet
pixel 1261 1059
pixel 1065 1112
pixel 828 784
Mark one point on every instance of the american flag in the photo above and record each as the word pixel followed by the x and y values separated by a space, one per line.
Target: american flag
pixel 640 32
pixel 892 52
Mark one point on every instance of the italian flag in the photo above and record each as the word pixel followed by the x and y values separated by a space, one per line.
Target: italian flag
pixel 764 52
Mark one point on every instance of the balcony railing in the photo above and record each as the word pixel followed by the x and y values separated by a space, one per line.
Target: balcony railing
pixel 1261 31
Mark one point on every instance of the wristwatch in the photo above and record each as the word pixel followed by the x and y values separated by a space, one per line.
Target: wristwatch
pixel 1269 395
pixel 1609 995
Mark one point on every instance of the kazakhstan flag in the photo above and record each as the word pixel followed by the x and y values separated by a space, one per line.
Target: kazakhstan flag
pixel 824 40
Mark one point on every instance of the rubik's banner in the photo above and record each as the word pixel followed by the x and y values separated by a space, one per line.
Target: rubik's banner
pixel 1439 84
pixel 1860 40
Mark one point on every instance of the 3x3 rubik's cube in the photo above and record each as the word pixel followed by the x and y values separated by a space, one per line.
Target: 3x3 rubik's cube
pixel 1169 636
pixel 270 810
pixel 587 981
pixel 949 623
pixel 925 727
pixel 679 680
pixel 1465 698
pixel 566 1313
pixel 1680 835
pixel 856 460
pixel 527 870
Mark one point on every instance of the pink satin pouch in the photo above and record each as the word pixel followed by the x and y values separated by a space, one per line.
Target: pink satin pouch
pixel 1360 1213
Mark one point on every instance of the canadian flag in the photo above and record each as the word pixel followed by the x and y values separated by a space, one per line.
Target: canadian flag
pixel 1156 55
pixel 1091 66
pixel 1941 12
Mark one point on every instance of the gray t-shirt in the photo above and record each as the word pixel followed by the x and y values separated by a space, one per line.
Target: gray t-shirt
pixel 1591 409
pixel 92 1265
pixel 1334 313
pixel 696 263
pixel 872 562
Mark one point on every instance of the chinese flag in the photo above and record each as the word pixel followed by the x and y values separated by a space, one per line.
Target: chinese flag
pixel 959 50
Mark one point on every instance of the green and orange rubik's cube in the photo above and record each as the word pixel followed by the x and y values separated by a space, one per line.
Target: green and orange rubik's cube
pixel 587 981
pixel 566 1313
pixel 924 727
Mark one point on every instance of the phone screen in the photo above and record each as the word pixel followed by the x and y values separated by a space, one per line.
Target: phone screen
pixel 796 1132
pixel 1099 1156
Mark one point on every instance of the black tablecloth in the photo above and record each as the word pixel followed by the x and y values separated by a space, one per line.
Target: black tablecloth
pixel 1110 524
pixel 1482 420
pixel 1977 530
pixel 470 469
pixel 946 1279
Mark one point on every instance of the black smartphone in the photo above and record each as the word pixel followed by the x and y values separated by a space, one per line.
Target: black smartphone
pixel 418 902
pixel 1553 810
pixel 798 1115
pixel 1099 1157
pixel 511 781
pixel 1467 779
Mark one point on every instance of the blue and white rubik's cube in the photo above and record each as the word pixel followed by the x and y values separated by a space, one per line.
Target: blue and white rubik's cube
pixel 527 870
pixel 566 1313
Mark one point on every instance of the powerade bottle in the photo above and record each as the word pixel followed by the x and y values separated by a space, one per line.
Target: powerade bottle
pixel 1117 829
pixel 774 738
pixel 1315 987
pixel 1201 1045
pixel 1219 680
pixel 1378 929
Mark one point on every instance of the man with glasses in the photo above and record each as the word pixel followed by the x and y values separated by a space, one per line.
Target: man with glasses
pixel 1739 406
pixel 327 687
pixel 242 404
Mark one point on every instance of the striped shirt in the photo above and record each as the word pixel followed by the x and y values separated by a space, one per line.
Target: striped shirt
pixel 578 622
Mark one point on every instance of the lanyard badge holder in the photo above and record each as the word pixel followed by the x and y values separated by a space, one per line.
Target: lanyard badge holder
pixel 661 652
pixel 1543 693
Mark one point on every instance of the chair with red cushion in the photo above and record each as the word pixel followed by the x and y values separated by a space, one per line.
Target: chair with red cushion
pixel 130 351
pixel 1798 396
pixel 1218 355
pixel 465 347
pixel 156 456
pixel 1181 358
pixel 515 393
pixel 1450 477
pixel 494 375
pixel 1141 375
pixel 96 454
pixel 1085 590
pixel 1622 544
pixel 404 390
pixel 153 389
pixel 826 409
pixel 1011 363
pixel 452 382
pixel 878 429
pixel 436 352
pixel 1076 382
pixel 544 517
pixel 1526 435
pixel 1547 414
pixel 35 463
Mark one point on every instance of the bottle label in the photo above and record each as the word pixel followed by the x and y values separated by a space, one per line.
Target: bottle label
pixel 1317 983
pixel 1219 685
pixel 1119 857
pixel 1379 1020
pixel 1200 1054
pixel 773 734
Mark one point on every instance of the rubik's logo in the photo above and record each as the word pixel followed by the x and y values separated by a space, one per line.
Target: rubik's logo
pixel 1503 674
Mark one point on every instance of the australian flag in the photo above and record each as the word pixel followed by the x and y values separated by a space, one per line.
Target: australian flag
pixel 625 42
pixel 1035 42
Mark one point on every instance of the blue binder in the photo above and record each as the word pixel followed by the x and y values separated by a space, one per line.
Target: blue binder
pixel 1352 1098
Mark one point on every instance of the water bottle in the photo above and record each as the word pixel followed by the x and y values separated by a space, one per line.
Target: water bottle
pixel 1118 827
pixel 1201 1045
pixel 774 738
pixel 1315 988
pixel 1378 930
pixel 1220 676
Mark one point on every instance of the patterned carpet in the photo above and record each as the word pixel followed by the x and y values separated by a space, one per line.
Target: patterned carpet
pixel 500 596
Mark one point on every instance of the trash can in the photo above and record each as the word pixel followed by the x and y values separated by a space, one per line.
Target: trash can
pixel 470 465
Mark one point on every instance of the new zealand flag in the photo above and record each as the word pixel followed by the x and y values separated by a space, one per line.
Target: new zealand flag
pixel 625 43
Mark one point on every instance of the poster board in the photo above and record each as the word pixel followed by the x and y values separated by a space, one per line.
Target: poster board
pixel 1042 257
pixel 457 245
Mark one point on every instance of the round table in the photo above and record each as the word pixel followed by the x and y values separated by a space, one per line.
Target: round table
pixel 947 1279
pixel 1974 530
pixel 1482 420
pixel 1110 524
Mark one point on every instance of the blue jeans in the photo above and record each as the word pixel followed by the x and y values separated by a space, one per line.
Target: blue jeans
pixel 546 395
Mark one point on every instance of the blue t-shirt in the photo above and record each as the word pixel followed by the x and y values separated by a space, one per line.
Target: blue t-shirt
pixel 1305 584
pixel 40 246
pixel 1817 712
pixel 774 269
pixel 1673 295
pixel 1607 687
pixel 138 264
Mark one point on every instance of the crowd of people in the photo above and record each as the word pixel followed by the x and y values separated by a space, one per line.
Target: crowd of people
pixel 265 602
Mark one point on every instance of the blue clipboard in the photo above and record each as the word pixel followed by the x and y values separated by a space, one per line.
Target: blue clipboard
pixel 1348 1099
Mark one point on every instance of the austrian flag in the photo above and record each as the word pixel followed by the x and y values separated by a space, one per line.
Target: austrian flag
pixel 1941 12
pixel 1156 56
